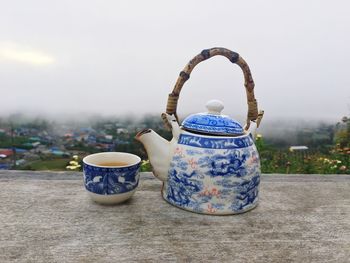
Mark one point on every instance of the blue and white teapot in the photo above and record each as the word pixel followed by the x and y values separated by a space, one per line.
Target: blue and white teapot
pixel 211 165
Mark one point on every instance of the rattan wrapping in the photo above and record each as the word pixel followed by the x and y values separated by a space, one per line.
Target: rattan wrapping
pixel 205 54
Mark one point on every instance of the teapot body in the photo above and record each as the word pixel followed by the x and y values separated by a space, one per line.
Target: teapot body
pixel 213 174
pixel 211 164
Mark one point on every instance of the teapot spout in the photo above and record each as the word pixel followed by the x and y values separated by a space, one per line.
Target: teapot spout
pixel 158 151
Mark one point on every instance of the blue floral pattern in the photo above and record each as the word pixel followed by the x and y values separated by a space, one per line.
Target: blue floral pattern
pixel 214 175
pixel 107 181
pixel 215 143
pixel 231 163
pixel 212 124
pixel 247 193
pixel 181 186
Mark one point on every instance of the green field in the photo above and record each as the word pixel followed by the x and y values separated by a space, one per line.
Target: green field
pixel 53 165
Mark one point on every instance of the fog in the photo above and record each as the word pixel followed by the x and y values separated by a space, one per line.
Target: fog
pixel 76 59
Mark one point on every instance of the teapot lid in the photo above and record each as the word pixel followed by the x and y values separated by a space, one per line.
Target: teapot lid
pixel 213 122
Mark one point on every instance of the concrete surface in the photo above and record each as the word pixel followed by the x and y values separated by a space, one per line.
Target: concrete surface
pixel 47 217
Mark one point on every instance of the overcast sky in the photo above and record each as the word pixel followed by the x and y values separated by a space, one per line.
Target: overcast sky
pixel 117 57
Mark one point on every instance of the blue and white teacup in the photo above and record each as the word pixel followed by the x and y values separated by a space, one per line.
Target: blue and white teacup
pixel 111 177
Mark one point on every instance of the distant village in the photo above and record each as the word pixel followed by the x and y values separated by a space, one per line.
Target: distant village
pixel 46 146
pixel 41 144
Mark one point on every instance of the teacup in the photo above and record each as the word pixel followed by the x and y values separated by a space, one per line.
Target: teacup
pixel 111 177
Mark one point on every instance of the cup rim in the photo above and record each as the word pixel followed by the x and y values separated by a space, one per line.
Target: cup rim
pixel 111 153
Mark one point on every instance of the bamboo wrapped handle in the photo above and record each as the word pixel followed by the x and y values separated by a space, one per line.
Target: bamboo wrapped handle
pixel 234 57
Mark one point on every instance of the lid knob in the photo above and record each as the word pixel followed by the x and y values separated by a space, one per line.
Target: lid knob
pixel 215 107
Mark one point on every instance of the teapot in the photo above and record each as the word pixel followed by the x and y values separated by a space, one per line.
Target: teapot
pixel 211 165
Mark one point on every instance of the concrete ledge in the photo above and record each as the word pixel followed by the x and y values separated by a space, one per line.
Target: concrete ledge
pixel 63 175
pixel 48 217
